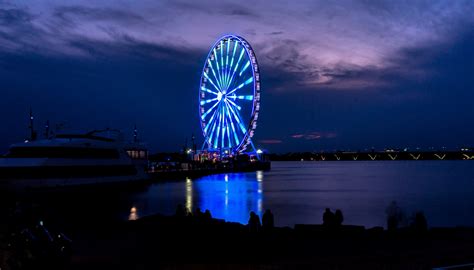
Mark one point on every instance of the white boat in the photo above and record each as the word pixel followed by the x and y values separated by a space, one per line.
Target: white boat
pixel 96 157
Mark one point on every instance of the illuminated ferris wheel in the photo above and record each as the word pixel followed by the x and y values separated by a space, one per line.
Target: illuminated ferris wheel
pixel 229 95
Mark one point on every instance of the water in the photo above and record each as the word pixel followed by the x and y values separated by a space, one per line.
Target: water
pixel 298 192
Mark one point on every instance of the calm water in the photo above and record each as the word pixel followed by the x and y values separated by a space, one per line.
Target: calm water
pixel 298 192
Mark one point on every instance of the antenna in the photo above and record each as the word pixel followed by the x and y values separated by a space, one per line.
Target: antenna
pixel 31 126
pixel 135 134
pixel 193 143
pixel 46 129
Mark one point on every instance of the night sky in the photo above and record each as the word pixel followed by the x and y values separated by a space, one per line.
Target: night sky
pixel 335 75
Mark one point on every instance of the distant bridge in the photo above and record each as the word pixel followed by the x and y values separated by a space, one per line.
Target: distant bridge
pixel 378 155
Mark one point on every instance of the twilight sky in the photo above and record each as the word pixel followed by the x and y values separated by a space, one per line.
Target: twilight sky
pixel 335 74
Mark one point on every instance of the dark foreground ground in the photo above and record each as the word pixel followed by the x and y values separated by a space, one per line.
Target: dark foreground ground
pixel 159 242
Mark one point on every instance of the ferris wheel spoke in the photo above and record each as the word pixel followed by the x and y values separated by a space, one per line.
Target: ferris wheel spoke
pixel 210 121
pixel 209 110
pixel 216 139
pixel 234 104
pixel 212 132
pixel 244 68
pixel 208 90
pixel 249 80
pixel 223 128
pixel 233 127
pixel 214 73
pixel 231 65
pixel 226 125
pixel 237 118
pixel 206 101
pixel 213 126
pixel 247 97
pixel 236 67
pixel 226 71
pixel 216 60
pixel 210 80
pixel 222 61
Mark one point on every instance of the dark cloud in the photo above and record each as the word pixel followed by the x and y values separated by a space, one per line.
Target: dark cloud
pixel 91 67
pixel 14 17
pixel 215 8
pixel 276 33
pixel 270 141
pixel 76 14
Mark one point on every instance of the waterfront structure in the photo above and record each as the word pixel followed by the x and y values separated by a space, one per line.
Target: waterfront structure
pixel 229 97
pixel 100 156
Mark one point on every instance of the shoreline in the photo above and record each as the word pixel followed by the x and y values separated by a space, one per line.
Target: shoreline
pixel 188 242
pixel 156 240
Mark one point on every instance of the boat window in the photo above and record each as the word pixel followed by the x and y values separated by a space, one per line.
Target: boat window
pixel 137 154
pixel 61 152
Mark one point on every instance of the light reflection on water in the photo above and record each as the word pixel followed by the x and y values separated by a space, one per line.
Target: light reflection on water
pixel 298 192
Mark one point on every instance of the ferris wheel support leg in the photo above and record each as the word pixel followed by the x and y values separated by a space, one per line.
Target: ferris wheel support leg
pixel 254 150
pixel 203 145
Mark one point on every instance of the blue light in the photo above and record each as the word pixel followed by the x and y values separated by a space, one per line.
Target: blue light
pixel 208 90
pixel 240 57
pixel 205 75
pixel 243 128
pixel 248 97
pixel 218 68
pixel 208 111
pixel 208 101
pixel 213 117
pixel 229 142
pixel 236 66
pixel 227 54
pixel 212 132
pixel 245 67
pixel 225 114
pixel 231 64
pixel 249 80
pixel 213 72
pixel 223 135
pixel 216 139
pixel 235 105
pixel 222 55
pixel 237 118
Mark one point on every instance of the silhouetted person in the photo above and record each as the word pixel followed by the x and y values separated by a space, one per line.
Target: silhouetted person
pixel 420 225
pixel 254 222
pixel 198 213
pixel 207 215
pixel 180 211
pixel 267 220
pixel 328 218
pixel 394 216
pixel 338 218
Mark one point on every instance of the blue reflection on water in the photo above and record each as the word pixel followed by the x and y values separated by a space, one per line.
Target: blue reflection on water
pixel 230 196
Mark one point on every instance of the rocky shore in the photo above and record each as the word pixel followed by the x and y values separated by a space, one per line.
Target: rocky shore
pixel 168 242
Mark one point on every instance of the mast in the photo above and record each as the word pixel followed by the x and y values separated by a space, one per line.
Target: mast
pixel 31 126
pixel 46 129
pixel 135 134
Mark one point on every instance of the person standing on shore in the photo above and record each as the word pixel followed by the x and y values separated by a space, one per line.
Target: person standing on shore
pixel 254 222
pixel 328 218
pixel 267 220
pixel 338 218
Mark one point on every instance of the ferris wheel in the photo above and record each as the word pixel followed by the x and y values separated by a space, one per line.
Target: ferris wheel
pixel 229 95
